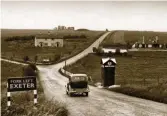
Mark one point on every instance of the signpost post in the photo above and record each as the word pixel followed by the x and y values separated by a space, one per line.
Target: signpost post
pixel 21 84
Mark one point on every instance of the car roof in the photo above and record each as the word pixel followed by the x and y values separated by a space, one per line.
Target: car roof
pixel 78 75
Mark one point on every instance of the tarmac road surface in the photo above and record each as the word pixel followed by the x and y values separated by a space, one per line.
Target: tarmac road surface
pixel 100 102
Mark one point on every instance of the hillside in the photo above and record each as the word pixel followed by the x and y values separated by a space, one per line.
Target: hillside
pixel 124 37
pixel 17 49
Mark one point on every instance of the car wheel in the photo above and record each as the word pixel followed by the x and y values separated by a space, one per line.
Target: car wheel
pixel 71 94
pixel 87 93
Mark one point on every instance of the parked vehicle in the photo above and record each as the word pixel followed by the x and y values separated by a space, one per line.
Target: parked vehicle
pixel 78 84
pixel 46 61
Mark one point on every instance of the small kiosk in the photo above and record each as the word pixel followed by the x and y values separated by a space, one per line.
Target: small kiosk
pixel 108 71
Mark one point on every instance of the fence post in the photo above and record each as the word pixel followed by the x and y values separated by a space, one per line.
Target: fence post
pixel 35 96
pixel 8 97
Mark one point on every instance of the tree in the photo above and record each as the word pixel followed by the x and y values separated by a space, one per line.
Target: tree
pixel 117 51
pixel 94 49
pixel 30 71
pixel 26 58
pixel 100 50
pixel 56 57
pixel 35 58
pixel 128 45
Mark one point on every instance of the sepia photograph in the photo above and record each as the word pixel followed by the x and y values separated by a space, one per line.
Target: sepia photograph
pixel 83 58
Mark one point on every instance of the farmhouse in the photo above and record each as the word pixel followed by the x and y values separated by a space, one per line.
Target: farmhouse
pixel 45 40
pixel 155 43
pixel 116 48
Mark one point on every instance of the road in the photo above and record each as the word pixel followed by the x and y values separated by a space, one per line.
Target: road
pixel 100 102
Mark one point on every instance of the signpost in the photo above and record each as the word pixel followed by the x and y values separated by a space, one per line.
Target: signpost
pixel 21 84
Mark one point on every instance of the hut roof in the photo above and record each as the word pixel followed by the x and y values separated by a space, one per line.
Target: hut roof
pixel 105 60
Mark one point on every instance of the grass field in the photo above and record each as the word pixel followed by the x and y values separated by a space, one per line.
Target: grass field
pixel 141 74
pixel 18 49
pixel 22 102
pixel 124 37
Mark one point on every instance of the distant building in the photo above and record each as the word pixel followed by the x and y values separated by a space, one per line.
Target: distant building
pixel 115 48
pixel 45 40
pixel 149 43
pixel 112 50
pixel 61 28
pixel 64 28
pixel 55 28
pixel 70 28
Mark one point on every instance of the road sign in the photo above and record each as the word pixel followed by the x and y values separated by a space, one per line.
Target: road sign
pixel 21 84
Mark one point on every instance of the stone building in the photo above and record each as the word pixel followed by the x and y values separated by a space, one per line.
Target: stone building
pixel 48 40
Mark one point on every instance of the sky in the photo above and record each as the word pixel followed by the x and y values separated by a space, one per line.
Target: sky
pixel 95 15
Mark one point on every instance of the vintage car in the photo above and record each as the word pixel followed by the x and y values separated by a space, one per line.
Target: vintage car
pixel 78 84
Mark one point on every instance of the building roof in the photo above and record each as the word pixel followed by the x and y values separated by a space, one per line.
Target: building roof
pixel 48 36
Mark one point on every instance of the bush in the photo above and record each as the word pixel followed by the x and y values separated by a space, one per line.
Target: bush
pixel 117 51
pixel 35 58
pixel 57 57
pixel 30 70
pixel 94 49
pixel 16 38
pixel 100 51
pixel 82 29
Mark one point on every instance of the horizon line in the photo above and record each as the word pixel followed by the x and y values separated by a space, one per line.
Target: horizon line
pixel 82 28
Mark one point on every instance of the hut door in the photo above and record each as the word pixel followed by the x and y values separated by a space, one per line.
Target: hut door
pixel 109 76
